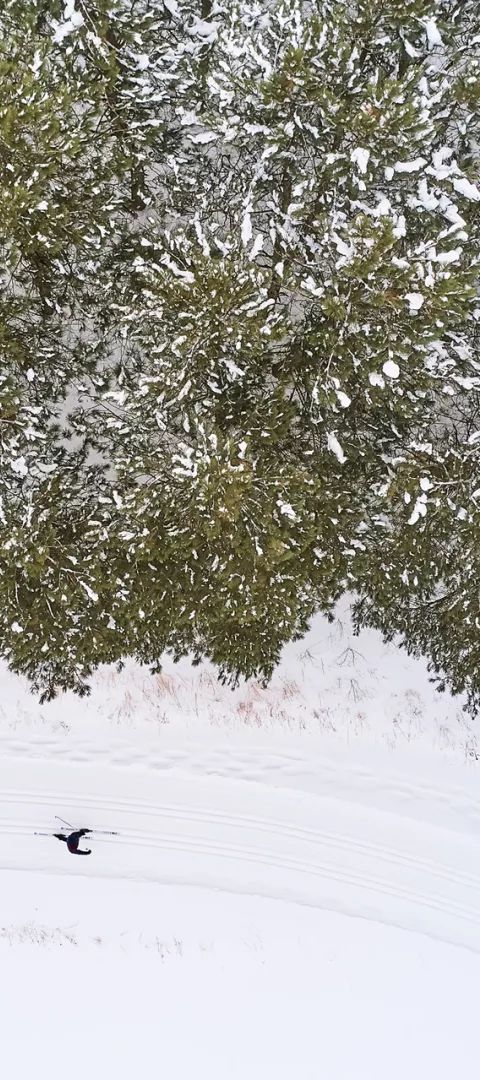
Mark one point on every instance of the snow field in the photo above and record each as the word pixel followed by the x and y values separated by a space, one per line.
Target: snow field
pixel 284 897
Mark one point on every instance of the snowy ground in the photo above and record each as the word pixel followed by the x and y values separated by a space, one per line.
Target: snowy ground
pixel 294 890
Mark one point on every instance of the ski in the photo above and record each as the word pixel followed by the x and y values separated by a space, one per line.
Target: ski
pixel 100 832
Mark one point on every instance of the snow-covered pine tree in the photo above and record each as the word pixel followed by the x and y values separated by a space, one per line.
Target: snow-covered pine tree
pixel 251 307
pixel 420 581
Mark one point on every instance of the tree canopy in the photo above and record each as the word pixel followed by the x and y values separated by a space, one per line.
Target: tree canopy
pixel 239 329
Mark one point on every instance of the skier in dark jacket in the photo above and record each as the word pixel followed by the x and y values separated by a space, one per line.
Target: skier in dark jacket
pixel 72 841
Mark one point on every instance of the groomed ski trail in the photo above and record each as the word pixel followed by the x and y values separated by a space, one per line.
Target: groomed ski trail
pixel 247 838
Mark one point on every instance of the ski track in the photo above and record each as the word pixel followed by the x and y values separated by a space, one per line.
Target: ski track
pixel 241 845
pixel 266 825
pixel 239 852
pixel 310 772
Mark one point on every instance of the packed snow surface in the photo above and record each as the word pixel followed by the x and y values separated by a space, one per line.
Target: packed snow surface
pixel 294 889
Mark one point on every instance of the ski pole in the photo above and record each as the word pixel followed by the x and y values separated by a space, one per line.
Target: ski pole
pixel 67 823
